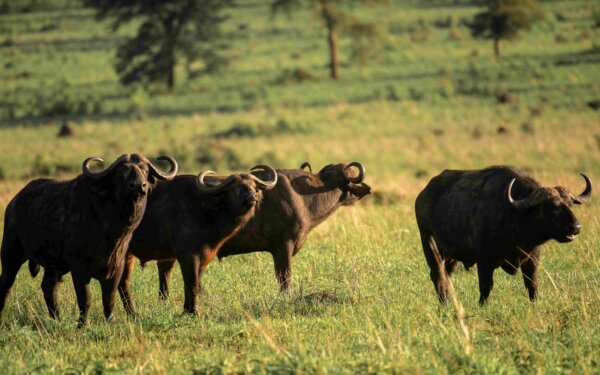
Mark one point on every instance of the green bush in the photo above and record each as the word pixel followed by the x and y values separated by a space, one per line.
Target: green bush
pixel 59 99
pixel 44 165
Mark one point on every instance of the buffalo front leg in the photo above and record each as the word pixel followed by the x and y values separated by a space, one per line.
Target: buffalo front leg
pixel 437 270
pixel 109 289
pixel 485 273
pixel 282 259
pixel 190 265
pixel 50 288
pixel 529 269
pixel 84 297
pixel 125 285
pixel 164 273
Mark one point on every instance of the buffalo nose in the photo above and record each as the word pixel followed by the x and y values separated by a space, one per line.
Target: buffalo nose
pixel 141 187
pixel 576 228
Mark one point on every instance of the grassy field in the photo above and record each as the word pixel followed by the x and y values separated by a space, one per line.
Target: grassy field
pixel 362 300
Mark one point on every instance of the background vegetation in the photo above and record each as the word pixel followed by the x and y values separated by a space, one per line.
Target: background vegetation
pixel 431 98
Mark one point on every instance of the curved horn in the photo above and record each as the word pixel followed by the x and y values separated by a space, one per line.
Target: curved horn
pixel 306 164
pixel 211 189
pixel 518 204
pixel 162 175
pixel 587 193
pixel 265 185
pixel 86 166
pixel 361 173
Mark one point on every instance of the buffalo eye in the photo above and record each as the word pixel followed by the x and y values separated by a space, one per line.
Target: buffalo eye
pixel 556 209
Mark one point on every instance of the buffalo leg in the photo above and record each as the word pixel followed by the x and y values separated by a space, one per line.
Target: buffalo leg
pixel 190 265
pixel 109 290
pixel 485 272
pixel 164 273
pixel 282 259
pixel 81 282
pixel 125 285
pixel 451 265
pixel 11 260
pixel 50 288
pixel 437 271
pixel 529 269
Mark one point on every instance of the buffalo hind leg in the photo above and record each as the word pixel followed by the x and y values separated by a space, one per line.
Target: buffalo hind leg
pixel 485 273
pixel 529 269
pixel 164 273
pixel 282 259
pixel 12 258
pixel 125 285
pixel 451 265
pixel 190 266
pixel 437 271
pixel 50 288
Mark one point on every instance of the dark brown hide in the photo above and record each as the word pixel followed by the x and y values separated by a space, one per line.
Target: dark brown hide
pixel 481 217
pixel 300 201
pixel 184 223
pixel 82 226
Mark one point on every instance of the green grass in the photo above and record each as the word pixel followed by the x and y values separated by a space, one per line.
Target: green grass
pixel 361 299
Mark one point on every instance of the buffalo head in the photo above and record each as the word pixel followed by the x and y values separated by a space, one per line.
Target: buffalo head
pixel 550 208
pixel 348 180
pixel 131 175
pixel 243 190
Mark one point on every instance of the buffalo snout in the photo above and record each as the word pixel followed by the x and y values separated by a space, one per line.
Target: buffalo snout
pixel 138 188
pixel 250 197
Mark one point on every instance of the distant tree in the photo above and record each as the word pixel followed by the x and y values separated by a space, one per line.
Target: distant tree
pixel 504 19
pixel 167 29
pixel 335 16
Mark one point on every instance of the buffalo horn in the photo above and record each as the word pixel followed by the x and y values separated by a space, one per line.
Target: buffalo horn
pixel 265 185
pixel 86 166
pixel 361 173
pixel 212 189
pixel 525 203
pixel 162 175
pixel 587 193
pixel 306 164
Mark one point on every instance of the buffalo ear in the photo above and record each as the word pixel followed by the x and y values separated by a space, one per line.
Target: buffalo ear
pixel 359 190
pixel 152 180
pixel 577 201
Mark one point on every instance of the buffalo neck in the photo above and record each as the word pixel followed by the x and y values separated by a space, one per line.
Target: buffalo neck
pixel 321 205
pixel 527 234
pixel 223 223
pixel 116 216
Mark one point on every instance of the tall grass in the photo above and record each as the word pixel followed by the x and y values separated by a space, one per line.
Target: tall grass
pixel 361 299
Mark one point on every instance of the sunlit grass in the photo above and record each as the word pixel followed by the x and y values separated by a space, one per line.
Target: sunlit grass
pixel 361 299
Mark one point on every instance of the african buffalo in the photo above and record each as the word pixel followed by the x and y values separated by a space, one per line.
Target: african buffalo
pixel 494 217
pixel 300 201
pixel 188 220
pixel 82 226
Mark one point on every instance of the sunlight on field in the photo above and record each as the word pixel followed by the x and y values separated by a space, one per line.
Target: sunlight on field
pixel 361 300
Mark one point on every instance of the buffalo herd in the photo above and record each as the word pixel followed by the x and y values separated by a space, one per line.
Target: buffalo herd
pixel 96 224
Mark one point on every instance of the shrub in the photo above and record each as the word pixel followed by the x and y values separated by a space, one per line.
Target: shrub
pixel 596 17
pixel 297 75
pixel 237 130
pixel 217 156
pixel 44 165
pixel 58 99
